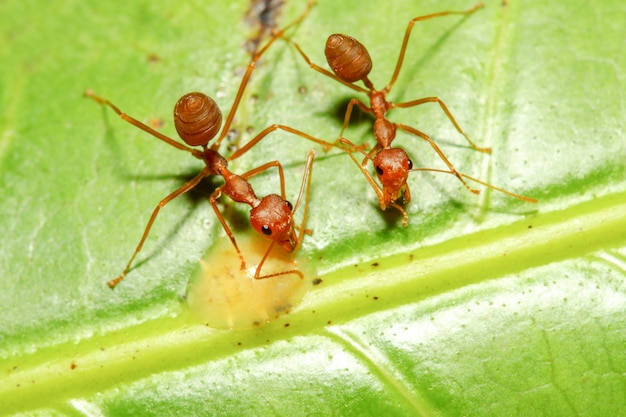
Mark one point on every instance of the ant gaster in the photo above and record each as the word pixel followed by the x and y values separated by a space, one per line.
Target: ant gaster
pixel 198 119
pixel 350 63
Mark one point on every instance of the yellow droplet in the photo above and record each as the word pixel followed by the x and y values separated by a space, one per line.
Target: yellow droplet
pixel 222 295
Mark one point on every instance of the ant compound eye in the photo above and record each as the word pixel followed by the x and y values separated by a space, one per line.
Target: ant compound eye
pixel 379 170
pixel 410 164
pixel 266 230
pixel 289 205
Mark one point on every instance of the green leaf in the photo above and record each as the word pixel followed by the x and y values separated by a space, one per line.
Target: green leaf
pixel 480 306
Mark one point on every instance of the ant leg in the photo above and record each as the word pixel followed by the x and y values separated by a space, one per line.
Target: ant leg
pixel 248 74
pixel 257 273
pixel 486 184
pixel 447 112
pixel 265 167
pixel 145 128
pixel 272 128
pixel 308 174
pixel 346 118
pixel 407 34
pixel 350 147
pixel 443 157
pixel 213 199
pixel 370 155
pixel 377 189
pixel 405 217
pixel 183 189
pixel 276 274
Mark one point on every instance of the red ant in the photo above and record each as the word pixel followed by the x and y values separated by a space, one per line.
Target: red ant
pixel 198 119
pixel 351 62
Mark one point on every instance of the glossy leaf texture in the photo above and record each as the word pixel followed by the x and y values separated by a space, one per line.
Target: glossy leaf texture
pixel 480 306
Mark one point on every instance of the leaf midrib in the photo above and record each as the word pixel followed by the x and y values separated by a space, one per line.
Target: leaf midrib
pixel 346 293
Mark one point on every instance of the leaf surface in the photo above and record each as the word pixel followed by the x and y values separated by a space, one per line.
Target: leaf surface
pixel 480 306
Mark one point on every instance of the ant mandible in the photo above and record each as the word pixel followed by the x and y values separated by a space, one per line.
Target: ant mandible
pixel 198 119
pixel 351 62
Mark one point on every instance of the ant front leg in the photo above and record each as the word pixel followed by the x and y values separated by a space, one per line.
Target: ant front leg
pixel 370 155
pixel 257 273
pixel 308 175
pixel 447 112
pixel 186 187
pixel 265 167
pixel 377 189
pixel 277 274
pixel 213 200
pixel 443 156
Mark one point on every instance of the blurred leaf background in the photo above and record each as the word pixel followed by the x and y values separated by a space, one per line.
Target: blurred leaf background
pixel 481 306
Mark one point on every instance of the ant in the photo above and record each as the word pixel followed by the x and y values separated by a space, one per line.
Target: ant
pixel 197 120
pixel 351 62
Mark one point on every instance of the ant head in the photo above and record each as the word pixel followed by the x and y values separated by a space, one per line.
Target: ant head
pixel 272 218
pixel 392 168
pixel 347 57
pixel 197 119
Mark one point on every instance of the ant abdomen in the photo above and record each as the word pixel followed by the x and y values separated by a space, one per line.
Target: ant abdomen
pixel 197 118
pixel 347 57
